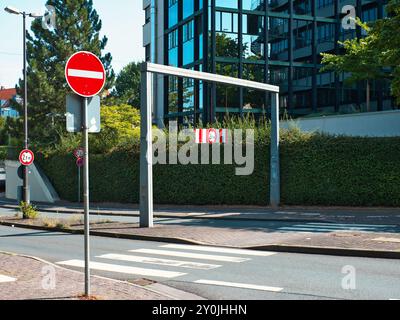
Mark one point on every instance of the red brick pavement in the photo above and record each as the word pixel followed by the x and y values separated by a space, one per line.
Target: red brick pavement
pixel 34 282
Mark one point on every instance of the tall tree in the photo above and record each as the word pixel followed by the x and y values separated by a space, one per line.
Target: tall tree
pixel 375 56
pixel 359 59
pixel 127 85
pixel 386 32
pixel 77 28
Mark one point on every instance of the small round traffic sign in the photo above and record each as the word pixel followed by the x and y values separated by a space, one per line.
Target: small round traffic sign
pixel 79 153
pixel 26 157
pixel 79 162
pixel 85 74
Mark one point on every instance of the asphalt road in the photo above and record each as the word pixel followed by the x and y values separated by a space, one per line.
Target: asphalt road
pixel 216 273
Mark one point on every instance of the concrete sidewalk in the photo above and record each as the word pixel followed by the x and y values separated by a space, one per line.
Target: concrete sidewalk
pixel 29 278
pixel 292 213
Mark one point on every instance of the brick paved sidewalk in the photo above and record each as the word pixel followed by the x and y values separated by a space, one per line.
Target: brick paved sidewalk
pixel 292 213
pixel 23 278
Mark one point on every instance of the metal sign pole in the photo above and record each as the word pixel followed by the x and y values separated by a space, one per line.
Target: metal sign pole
pixel 146 151
pixel 79 184
pixel 86 194
pixel 275 157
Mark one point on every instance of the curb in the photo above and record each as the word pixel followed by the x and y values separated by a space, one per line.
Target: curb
pixel 332 251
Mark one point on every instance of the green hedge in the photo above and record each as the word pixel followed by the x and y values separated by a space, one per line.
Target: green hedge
pixel 315 170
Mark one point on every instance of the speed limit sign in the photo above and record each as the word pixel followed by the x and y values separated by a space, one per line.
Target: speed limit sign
pixel 26 157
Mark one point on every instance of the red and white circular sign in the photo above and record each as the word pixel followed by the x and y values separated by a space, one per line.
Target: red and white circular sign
pixel 80 162
pixel 26 157
pixel 85 74
pixel 79 153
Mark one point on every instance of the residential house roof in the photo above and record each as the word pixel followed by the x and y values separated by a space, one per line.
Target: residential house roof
pixel 7 94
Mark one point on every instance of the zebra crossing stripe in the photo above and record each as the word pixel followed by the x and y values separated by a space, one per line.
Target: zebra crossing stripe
pixel 239 285
pixel 325 227
pixel 190 255
pixel 349 225
pixel 306 230
pixel 219 250
pixel 172 263
pixel 4 279
pixel 123 269
pixel 337 227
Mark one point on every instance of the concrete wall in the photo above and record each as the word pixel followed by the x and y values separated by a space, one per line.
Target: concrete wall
pixel 373 124
pixel 41 189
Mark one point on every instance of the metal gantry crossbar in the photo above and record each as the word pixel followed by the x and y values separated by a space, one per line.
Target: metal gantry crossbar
pixel 146 147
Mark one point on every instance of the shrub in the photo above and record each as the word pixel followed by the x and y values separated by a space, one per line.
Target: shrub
pixel 28 211
pixel 315 170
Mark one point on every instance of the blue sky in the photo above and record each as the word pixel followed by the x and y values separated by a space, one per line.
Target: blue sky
pixel 122 24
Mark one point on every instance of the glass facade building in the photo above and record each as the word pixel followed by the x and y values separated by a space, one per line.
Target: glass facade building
pixel 273 41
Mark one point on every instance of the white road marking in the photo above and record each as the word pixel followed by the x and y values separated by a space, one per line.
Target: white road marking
pixel 4 279
pixel 355 225
pixel 239 285
pixel 335 227
pixel 190 255
pixel 123 269
pixel 85 74
pixel 395 240
pixel 220 250
pixel 173 263
pixel 330 227
pixel 306 230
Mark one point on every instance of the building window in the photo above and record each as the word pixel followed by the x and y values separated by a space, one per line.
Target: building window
pixel 231 4
pixel 253 36
pixel 147 14
pixel 188 8
pixel 324 3
pixel 172 13
pixel 173 48
pixel 188 43
pixel 148 53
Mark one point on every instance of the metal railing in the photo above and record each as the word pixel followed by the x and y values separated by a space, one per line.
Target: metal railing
pixel 146 147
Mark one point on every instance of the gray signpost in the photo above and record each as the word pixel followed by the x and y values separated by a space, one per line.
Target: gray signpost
pixel 86 76
pixel 146 154
pixel 75 114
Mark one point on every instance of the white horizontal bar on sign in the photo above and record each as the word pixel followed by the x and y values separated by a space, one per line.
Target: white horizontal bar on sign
pixel 210 77
pixel 123 269
pixel 190 255
pixel 4 279
pixel 219 249
pixel 164 262
pixel 239 285
pixel 85 74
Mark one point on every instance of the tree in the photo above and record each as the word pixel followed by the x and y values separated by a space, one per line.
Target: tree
pixel 127 85
pixel 386 32
pixel 360 60
pixel 377 56
pixel 119 124
pixel 77 28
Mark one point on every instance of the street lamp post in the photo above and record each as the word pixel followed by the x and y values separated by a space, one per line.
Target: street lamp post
pixel 12 10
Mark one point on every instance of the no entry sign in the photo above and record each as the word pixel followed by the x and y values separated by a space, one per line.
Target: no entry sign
pixel 85 74
pixel 211 136
pixel 26 157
